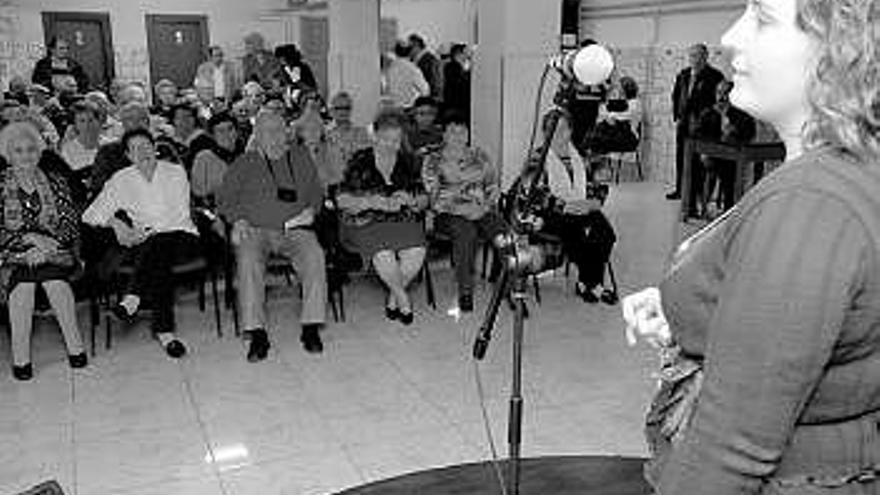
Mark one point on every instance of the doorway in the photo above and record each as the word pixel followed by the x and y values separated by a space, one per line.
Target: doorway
pixel 177 44
pixel 90 43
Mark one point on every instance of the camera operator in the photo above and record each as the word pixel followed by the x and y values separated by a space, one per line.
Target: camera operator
pixel 565 210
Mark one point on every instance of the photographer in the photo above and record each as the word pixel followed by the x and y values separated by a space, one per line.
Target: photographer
pixel 566 207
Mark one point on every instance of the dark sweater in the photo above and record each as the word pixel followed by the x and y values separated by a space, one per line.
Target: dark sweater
pixel 781 298
pixel 249 191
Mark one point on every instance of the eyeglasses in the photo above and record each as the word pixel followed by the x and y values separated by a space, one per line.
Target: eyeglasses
pixel 342 107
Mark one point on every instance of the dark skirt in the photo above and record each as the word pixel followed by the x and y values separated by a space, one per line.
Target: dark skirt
pixel 369 239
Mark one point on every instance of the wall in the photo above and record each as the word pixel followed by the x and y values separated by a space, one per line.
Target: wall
pixel 438 21
pixel 21 28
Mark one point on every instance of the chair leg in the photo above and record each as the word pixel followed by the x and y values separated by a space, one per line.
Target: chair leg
pixel 429 286
pixel 611 276
pixel 537 288
pixel 202 294
pixel 639 166
pixel 216 296
pixel 341 295
pixel 95 319
pixel 107 332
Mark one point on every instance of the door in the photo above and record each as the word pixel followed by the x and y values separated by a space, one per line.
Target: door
pixel 177 45
pixel 387 34
pixel 90 42
pixel 315 43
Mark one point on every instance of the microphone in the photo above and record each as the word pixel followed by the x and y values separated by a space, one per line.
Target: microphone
pixel 590 65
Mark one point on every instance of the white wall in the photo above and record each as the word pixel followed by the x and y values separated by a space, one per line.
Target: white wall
pixel 438 21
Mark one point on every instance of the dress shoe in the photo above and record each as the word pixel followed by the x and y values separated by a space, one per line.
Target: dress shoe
pixel 406 318
pixel 80 360
pixel 466 303
pixel 392 314
pixel 673 195
pixel 24 372
pixel 609 297
pixel 259 347
pixel 586 294
pixel 311 338
pixel 175 349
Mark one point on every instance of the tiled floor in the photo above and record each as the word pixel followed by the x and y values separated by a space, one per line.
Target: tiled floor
pixel 381 401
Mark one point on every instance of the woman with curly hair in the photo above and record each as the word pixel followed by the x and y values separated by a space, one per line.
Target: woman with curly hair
pixel 39 233
pixel 769 318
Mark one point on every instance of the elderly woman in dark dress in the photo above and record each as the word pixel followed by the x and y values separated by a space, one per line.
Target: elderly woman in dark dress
pixel 769 318
pixel 38 239
pixel 382 200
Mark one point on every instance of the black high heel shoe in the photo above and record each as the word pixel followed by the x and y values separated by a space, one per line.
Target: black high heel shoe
pixel 24 372
pixel 406 318
pixel 80 360
pixel 392 314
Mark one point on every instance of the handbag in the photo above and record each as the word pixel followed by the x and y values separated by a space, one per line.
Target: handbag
pixel 672 408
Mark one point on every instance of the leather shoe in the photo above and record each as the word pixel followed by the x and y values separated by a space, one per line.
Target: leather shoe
pixel 311 339
pixel 466 303
pixel 175 349
pixel 406 318
pixel 80 360
pixel 259 347
pixel 609 297
pixel 673 195
pixel 24 372
pixel 392 314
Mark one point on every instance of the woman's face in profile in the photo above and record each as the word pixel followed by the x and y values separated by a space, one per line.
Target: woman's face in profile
pixel 772 60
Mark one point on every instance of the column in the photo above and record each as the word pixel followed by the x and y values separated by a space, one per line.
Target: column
pixel 515 39
pixel 353 59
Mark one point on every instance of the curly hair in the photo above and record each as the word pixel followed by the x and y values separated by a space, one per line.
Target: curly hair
pixel 16 132
pixel 844 92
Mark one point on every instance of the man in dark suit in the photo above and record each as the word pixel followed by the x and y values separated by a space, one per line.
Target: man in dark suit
pixel 727 124
pixel 694 92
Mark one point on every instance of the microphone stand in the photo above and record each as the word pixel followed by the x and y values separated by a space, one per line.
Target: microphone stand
pixel 513 281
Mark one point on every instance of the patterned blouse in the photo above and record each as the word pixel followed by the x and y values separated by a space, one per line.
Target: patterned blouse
pixel 362 178
pixel 466 187
pixel 49 210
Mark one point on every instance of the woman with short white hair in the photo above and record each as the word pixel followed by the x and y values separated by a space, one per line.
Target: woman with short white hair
pixel 38 241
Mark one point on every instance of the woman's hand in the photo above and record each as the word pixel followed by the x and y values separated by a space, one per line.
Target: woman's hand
pixel 42 242
pixel 644 318
pixel 34 256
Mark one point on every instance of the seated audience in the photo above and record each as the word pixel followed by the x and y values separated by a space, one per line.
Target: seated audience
pixel 309 132
pixel 18 87
pixel 725 123
pixel 569 214
pixel 271 195
pixel 424 132
pixel 210 164
pixel 84 139
pixel 147 204
pixel 188 138
pixel 165 93
pixel 259 64
pixel 343 137
pixel 38 235
pixel 112 157
pixel 617 125
pixel 382 200
pixel 463 192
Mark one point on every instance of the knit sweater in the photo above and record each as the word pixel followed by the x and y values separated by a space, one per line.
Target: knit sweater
pixel 250 192
pixel 781 299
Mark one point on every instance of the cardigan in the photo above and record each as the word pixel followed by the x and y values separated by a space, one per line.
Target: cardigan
pixel 780 299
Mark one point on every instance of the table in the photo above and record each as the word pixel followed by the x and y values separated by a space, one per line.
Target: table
pixel 742 155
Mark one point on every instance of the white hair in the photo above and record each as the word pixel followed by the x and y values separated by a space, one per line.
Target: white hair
pixel 18 131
